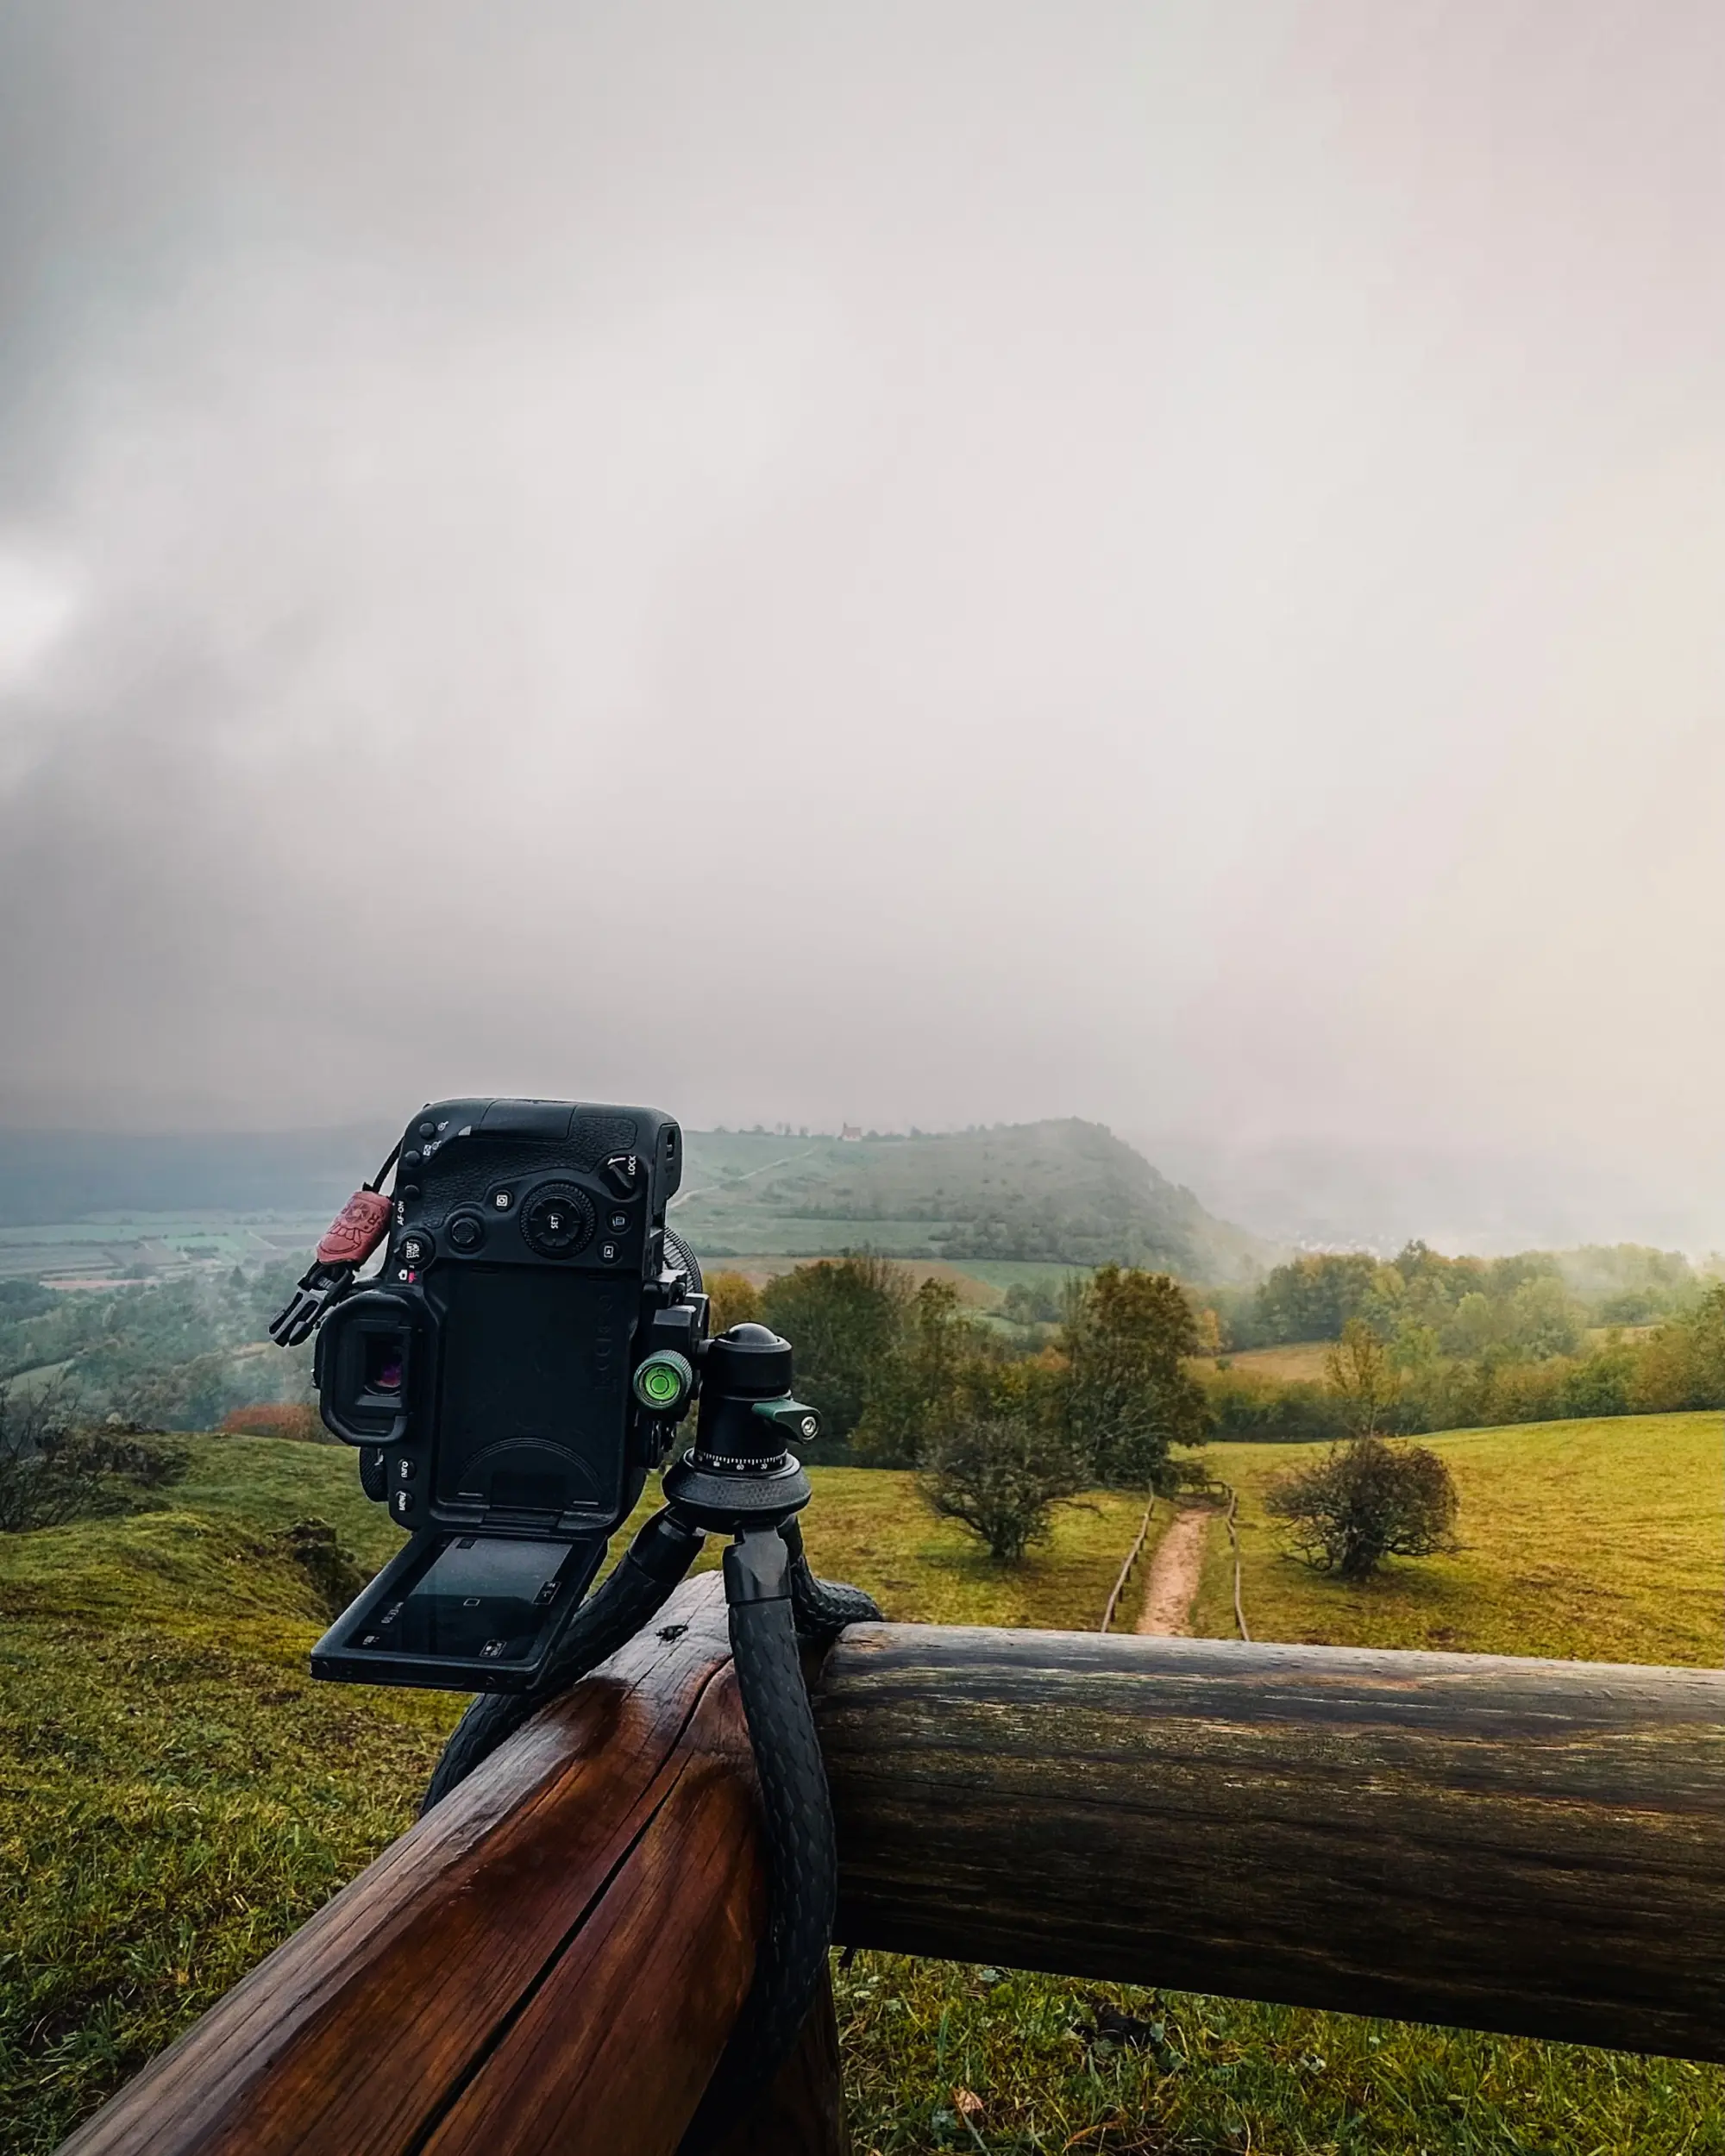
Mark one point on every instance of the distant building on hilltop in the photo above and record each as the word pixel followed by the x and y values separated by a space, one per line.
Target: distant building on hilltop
pixel 850 1131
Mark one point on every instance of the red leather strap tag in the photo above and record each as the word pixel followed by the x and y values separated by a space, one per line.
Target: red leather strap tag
pixel 356 1231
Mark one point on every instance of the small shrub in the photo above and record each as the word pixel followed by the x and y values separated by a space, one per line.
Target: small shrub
pixel 1004 1461
pixel 1366 1502
pixel 40 1486
pixel 113 1449
pixel 54 1467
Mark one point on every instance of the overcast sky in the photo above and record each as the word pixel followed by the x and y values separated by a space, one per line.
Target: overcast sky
pixel 914 563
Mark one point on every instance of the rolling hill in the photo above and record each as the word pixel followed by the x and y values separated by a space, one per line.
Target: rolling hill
pixel 1065 1191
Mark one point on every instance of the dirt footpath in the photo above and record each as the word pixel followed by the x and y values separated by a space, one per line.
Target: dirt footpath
pixel 1172 1585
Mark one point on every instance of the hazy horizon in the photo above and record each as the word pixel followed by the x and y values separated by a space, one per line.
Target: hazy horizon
pixel 935 567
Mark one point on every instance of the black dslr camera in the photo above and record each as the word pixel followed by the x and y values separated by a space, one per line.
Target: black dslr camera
pixel 510 1376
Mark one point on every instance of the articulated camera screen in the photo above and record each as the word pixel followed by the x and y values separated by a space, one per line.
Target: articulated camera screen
pixel 535 1392
pixel 480 1599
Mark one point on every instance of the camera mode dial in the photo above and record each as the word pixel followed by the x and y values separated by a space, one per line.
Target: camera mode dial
pixel 558 1221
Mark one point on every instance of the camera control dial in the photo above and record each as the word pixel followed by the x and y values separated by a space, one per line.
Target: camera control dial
pixel 557 1220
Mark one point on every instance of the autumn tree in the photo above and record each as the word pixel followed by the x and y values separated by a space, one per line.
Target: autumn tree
pixel 1361 1376
pixel 845 1318
pixel 733 1299
pixel 917 1389
pixel 1128 1396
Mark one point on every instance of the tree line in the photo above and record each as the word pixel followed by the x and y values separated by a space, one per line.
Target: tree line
pixel 1536 1304
pixel 1469 1343
pixel 998 1427
pixel 166 1355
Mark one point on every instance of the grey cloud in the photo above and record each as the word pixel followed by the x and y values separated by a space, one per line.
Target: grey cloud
pixel 925 563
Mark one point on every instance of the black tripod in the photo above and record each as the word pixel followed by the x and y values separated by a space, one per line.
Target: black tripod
pixel 738 1479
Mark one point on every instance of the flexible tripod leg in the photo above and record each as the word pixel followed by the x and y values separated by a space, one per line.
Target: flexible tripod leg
pixel 773 1599
pixel 802 1861
pixel 823 1608
pixel 661 1552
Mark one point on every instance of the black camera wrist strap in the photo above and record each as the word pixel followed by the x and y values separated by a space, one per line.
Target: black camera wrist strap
pixel 774 1602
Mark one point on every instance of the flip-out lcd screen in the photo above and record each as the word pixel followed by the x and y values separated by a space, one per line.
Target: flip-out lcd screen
pixel 471 1612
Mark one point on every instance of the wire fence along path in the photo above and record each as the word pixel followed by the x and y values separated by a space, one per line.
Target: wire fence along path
pixel 1132 1557
pixel 1231 1520
pixel 1234 1542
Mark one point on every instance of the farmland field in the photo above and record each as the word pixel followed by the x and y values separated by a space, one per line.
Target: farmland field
pixel 176 1794
pixel 1300 1360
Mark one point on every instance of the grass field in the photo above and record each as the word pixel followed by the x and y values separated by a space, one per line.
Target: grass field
pixel 1591 1541
pixel 1297 1360
pixel 176 1796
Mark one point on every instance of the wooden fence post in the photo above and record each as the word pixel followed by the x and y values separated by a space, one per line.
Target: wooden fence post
pixel 551 1961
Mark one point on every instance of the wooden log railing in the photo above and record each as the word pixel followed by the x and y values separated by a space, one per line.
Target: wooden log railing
pixel 553 1959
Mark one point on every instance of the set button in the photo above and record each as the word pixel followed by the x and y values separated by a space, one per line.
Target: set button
pixel 557 1221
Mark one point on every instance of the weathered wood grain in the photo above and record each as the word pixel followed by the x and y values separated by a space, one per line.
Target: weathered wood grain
pixel 552 1960
pixel 802 2113
pixel 1522 1846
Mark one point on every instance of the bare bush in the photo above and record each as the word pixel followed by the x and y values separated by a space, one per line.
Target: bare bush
pixel 115 1450
pixel 1364 1501
pixel 55 1467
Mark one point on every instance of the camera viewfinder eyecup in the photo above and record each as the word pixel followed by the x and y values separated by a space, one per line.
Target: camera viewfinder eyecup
pixel 364 1363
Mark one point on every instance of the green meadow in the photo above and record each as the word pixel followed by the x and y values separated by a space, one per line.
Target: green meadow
pixel 176 1796
pixel 1598 1541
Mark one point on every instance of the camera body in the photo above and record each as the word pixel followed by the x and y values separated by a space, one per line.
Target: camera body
pixel 492 1374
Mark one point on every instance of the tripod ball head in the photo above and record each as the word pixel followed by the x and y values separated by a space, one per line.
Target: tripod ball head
pixel 739 1473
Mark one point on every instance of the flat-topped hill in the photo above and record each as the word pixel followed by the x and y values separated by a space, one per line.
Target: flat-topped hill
pixel 1066 1191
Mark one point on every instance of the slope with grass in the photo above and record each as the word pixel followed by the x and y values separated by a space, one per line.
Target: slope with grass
pixel 176 1796
pixel 1590 1541
pixel 1595 1541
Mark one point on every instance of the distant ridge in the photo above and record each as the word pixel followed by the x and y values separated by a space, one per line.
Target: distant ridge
pixel 1062 1192
pixel 60 1176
